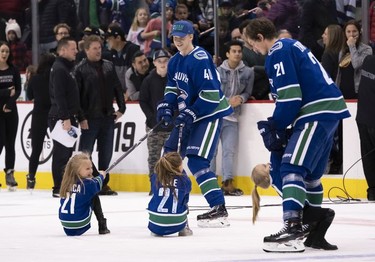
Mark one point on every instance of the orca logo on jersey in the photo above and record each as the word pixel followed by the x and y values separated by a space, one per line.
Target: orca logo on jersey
pixel 278 45
pixel 200 55
pixel 181 77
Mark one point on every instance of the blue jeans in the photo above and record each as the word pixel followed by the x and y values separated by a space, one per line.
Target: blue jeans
pixel 100 130
pixel 229 142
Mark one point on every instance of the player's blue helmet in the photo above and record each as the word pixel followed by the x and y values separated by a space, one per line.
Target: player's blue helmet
pixel 182 28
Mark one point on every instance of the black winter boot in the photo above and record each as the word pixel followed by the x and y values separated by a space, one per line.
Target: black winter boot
pixel 103 229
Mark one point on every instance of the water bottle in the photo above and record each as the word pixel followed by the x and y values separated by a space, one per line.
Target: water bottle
pixel 72 132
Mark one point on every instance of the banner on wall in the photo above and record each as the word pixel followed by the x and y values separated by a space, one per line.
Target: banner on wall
pixel 131 128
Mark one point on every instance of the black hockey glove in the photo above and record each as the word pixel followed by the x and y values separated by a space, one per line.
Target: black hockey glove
pixel 273 139
pixel 164 113
pixel 186 117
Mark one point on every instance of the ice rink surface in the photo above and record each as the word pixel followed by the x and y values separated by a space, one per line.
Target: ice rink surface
pixel 30 231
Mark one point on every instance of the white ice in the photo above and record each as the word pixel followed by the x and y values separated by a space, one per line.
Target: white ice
pixel 30 231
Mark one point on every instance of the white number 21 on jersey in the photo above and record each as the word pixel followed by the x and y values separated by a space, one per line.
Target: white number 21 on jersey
pixel 279 69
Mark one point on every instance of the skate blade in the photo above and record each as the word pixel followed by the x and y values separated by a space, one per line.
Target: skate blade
pixel 213 223
pixel 292 246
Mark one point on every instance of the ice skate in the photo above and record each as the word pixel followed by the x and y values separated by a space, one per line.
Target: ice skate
pixel 216 217
pixel 103 229
pixel 288 239
pixel 9 179
pixel 30 182
pixel 186 231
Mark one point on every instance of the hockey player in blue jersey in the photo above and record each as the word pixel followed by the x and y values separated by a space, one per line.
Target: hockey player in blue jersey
pixel 168 207
pixel 193 89
pixel 307 99
pixel 316 220
pixel 79 196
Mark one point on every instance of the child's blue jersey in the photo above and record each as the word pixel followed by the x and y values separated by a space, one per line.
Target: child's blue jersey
pixel 75 211
pixel 301 87
pixel 194 82
pixel 168 208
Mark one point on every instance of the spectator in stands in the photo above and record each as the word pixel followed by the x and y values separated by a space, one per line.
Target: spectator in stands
pixel 350 60
pixel 121 52
pixel 261 87
pixel 312 25
pixel 285 14
pixel 61 30
pixel 153 30
pixel 17 48
pixel 136 74
pixel 226 9
pixel 237 84
pixel 38 91
pixel 333 41
pixel 51 13
pixel 13 9
pixel 139 23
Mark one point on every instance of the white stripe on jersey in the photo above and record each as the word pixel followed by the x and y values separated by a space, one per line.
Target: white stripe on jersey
pixel 306 145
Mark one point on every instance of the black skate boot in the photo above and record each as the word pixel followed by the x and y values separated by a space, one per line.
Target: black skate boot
pixel 103 229
pixel 288 239
pixel 216 217
pixel 9 179
pixel 30 182
pixel 229 189
pixel 316 238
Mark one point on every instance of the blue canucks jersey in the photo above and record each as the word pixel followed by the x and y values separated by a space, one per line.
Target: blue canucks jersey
pixel 194 82
pixel 75 211
pixel 168 208
pixel 302 89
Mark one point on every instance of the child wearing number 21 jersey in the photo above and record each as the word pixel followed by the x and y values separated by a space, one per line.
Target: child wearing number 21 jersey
pixel 168 207
pixel 79 196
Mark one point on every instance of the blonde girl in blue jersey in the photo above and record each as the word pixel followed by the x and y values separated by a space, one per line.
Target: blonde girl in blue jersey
pixel 79 196
pixel 168 207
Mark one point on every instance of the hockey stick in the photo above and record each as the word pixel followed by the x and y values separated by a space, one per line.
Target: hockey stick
pixel 180 129
pixel 132 148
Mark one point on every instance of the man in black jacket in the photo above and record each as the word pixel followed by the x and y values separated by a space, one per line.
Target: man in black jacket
pixel 98 85
pixel 64 97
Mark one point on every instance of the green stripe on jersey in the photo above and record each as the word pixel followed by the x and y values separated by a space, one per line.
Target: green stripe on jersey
pixel 167 219
pixel 314 199
pixel 289 92
pixel 76 224
pixel 332 105
pixel 210 96
pixel 171 89
pixel 294 193
pixel 208 185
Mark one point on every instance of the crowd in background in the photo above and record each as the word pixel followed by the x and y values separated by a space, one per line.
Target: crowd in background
pixel 131 33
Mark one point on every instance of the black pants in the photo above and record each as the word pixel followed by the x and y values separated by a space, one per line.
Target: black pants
pixel 60 156
pixel 39 125
pixel 8 133
pixel 367 141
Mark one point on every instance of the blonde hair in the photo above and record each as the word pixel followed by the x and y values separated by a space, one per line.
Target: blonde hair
pixel 71 173
pixel 261 178
pixel 167 167
pixel 135 23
